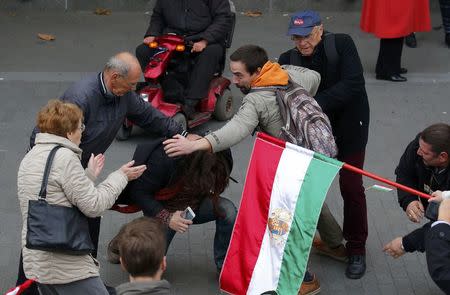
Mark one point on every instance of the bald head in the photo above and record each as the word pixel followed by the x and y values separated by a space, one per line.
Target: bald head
pixel 124 63
pixel 122 72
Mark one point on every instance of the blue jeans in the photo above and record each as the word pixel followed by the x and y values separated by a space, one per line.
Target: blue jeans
pixel 224 225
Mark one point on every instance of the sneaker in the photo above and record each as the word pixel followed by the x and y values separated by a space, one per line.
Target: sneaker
pixel 339 253
pixel 310 287
pixel 356 266
pixel 112 253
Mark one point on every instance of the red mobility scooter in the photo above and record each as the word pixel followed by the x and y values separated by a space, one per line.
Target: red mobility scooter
pixel 171 62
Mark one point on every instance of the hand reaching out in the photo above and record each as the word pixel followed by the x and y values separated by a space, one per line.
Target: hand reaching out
pixel 95 164
pixel 132 172
pixel 394 248
pixel 415 211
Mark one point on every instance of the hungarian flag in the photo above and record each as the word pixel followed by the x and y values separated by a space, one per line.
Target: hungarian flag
pixel 284 191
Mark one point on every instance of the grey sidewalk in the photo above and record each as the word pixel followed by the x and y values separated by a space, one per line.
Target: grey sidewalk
pixel 33 71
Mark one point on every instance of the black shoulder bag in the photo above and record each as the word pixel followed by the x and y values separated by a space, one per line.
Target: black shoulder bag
pixel 56 228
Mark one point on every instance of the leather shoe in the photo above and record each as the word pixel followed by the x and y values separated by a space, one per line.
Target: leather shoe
pixel 411 40
pixel 356 267
pixel 392 78
pixel 447 39
pixel 310 287
pixel 403 71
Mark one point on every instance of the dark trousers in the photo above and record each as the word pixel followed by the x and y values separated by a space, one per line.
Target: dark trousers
pixel 445 12
pixel 355 208
pixel 205 65
pixel 389 57
pixel 94 231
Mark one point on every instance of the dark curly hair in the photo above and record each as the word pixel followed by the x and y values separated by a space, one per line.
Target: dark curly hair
pixel 200 175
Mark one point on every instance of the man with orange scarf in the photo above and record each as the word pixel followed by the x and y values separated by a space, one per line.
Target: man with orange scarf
pixel 251 70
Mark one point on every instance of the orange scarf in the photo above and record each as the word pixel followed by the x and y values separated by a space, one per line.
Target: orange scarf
pixel 271 75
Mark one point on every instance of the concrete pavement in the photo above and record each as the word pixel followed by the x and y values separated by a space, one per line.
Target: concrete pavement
pixel 33 71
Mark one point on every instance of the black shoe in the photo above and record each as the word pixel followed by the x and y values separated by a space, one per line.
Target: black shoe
pixel 392 78
pixel 356 267
pixel 411 41
pixel 403 71
pixel 447 39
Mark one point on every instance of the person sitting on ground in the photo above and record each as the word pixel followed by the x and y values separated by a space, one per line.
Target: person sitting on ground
pixel 60 123
pixel 205 24
pixel 142 248
pixel 173 184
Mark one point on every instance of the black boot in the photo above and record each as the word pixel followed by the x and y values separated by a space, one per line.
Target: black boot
pixel 356 266
pixel 447 39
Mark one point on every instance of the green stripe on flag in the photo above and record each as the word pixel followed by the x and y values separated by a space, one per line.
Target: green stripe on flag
pixel 318 178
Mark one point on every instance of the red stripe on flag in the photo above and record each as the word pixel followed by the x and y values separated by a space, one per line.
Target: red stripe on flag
pixel 251 221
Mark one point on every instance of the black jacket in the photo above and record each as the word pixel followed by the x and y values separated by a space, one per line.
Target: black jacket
pixel 437 245
pixel 341 96
pixel 196 19
pixel 161 172
pixel 104 115
pixel 412 172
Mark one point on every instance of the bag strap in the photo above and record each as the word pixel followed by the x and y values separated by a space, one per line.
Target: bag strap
pixel 329 44
pixel 48 165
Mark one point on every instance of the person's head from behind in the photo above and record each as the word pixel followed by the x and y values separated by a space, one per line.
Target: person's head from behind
pixel 434 145
pixel 122 73
pixel 246 64
pixel 142 248
pixel 204 174
pixel 61 118
pixel 306 30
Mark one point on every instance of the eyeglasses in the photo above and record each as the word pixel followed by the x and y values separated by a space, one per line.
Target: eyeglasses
pixel 82 127
pixel 298 38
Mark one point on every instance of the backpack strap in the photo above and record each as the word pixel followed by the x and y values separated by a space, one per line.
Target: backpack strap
pixel 329 44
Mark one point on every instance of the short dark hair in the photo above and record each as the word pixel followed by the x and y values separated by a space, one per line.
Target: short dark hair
pixel 142 246
pixel 438 136
pixel 252 56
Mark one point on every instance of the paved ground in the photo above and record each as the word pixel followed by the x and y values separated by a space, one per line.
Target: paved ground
pixel 33 71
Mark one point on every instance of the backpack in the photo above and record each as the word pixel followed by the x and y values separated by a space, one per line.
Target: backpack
pixel 305 124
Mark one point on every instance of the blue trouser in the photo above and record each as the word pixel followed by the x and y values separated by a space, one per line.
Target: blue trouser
pixel 226 215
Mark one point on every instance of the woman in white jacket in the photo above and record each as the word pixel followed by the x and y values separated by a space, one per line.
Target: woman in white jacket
pixel 68 185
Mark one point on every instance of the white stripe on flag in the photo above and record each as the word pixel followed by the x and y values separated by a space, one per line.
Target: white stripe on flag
pixel 288 180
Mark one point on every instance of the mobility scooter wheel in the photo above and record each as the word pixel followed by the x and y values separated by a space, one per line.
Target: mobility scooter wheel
pixel 224 106
pixel 124 132
pixel 180 119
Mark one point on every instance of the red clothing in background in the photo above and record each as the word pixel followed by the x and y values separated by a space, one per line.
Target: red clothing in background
pixel 395 18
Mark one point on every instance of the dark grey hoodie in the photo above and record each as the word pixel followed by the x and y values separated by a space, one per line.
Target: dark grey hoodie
pixel 161 287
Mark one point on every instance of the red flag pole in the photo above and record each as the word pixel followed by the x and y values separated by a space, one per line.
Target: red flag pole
pixel 407 189
pixel 387 181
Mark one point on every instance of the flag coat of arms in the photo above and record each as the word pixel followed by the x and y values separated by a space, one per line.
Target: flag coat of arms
pixel 283 194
